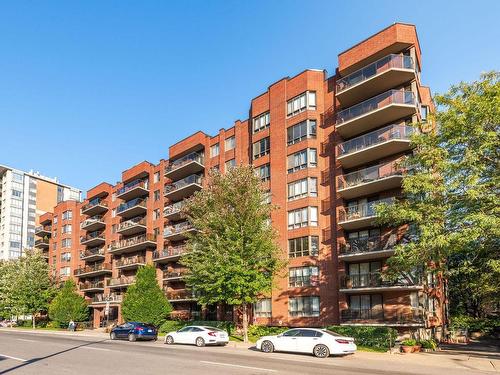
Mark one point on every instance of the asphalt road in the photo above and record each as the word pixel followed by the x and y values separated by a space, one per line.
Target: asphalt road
pixel 25 353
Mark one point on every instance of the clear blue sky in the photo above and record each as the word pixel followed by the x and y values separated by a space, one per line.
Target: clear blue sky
pixel 89 88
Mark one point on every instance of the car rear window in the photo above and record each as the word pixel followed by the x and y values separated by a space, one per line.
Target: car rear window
pixel 214 329
pixel 332 333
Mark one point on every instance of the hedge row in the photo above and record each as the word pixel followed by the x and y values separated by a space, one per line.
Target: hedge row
pixel 174 325
pixel 372 337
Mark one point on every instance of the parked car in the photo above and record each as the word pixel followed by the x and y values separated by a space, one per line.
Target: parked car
pixel 198 335
pixel 134 331
pixel 319 342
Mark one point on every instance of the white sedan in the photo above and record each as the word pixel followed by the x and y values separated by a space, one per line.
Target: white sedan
pixel 197 335
pixel 319 342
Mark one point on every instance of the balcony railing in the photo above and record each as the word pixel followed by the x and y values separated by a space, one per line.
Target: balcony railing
pixel 99 251
pixel 367 244
pixel 132 223
pixel 42 242
pixel 377 315
pixel 385 63
pixel 43 228
pixel 91 285
pixel 91 269
pixel 122 280
pixel 193 179
pixel 362 314
pixel 181 294
pixel 194 156
pixel 374 279
pixel 132 185
pixel 367 175
pixel 137 202
pixel 299 281
pixel 377 102
pixel 177 228
pixel 173 208
pixel 131 241
pixel 363 210
pixel 387 133
pixel 91 220
pixel 94 202
pixel 100 298
pixel 171 275
pixel 92 236
pixel 131 261
pixel 170 252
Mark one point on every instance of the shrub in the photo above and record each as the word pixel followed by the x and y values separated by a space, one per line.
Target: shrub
pixel 483 325
pixel 174 325
pixel 259 331
pixel 53 324
pixel 409 342
pixel 372 337
pixel 428 344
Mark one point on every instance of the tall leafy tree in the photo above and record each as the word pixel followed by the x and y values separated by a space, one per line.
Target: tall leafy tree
pixel 234 255
pixel 451 196
pixel 8 273
pixel 68 305
pixel 144 300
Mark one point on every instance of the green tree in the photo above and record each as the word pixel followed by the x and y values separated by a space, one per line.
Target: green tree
pixel 144 300
pixel 8 306
pixel 451 196
pixel 68 305
pixel 234 254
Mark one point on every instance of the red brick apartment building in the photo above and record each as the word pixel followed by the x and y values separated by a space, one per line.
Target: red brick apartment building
pixel 326 148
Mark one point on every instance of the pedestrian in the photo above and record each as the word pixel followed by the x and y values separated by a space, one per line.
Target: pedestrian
pixel 71 325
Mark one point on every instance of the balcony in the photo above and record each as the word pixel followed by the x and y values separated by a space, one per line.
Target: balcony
pixel 377 317
pixel 170 254
pixel 134 207
pixel 367 248
pixel 360 215
pixel 134 189
pixel 384 74
pixel 43 231
pixel 129 245
pixel 130 262
pixel 91 286
pixel 95 270
pixel 187 165
pixel 93 223
pixel 370 180
pixel 184 188
pixel 374 281
pixel 93 254
pixel 384 108
pixel 182 295
pixel 120 282
pixel 94 207
pixel 172 276
pixel 100 299
pixel 173 211
pixel 42 243
pixel 390 140
pixel 178 232
pixel 93 239
pixel 132 226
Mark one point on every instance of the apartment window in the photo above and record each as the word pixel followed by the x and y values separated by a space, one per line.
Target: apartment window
pixel 230 164
pixel 303 217
pixel 156 232
pixel 365 305
pixel 113 212
pixel 264 172
pixel 414 300
pixel 303 276
pixel 306 187
pixel 261 122
pixel 156 214
pixel 66 228
pixel 267 197
pixel 303 246
pixel 67 215
pixel 64 271
pixel 157 195
pixel 261 148
pixel 113 197
pixel 302 130
pixel 262 308
pixel 230 143
pixel 156 177
pixel 304 306
pixel 54 220
pixel 424 111
pixel 17 193
pixel 214 150
pixel 302 159
pixel 114 227
pixel 306 100
pixel 66 242
pixel 65 257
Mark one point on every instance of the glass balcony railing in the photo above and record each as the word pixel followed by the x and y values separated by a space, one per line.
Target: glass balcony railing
pixel 194 156
pixel 172 251
pixel 137 259
pixel 376 314
pixel 137 202
pixel 193 179
pixel 132 185
pixel 366 244
pixel 377 102
pixel 91 220
pixel 43 228
pixel 132 223
pixel 91 285
pixel 42 242
pixel 91 269
pixel 171 275
pixel 97 251
pixel 122 280
pixel 180 294
pixel 92 236
pixel 376 137
pixel 375 279
pixel 362 314
pixel 367 175
pixel 173 208
pixel 94 202
pixel 100 298
pixel 117 245
pixel 178 228
pixel 385 63
pixel 363 210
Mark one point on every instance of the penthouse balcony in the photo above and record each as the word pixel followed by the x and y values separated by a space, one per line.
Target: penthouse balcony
pixel 96 253
pixel 88 286
pixel 94 207
pixel 373 247
pixel 120 282
pixel 42 243
pixel 184 188
pixel 129 245
pixel 130 262
pixel 168 255
pixel 43 231
pixel 172 276
pixel 100 299
pixel 178 231
pixel 132 226
pixel 93 239
pixel 384 108
pixel 388 72
pixel 370 180
pixel 133 189
pixel 377 317
pixel 186 165
pixel 181 295
pixel 389 140
pixel 173 211
pixel 94 270
pixel 93 223
pixel 360 215
pixel 374 281
pixel 134 207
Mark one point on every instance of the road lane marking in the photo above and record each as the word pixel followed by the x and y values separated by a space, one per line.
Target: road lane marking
pixel 26 340
pixel 14 358
pixel 90 347
pixel 239 366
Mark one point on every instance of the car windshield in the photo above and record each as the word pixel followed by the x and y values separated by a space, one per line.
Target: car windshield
pixel 332 333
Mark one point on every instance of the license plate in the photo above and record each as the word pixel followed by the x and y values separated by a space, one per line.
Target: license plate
pixel 149 330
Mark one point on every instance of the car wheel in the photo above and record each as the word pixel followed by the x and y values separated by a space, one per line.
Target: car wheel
pixel 321 351
pixel 169 340
pixel 132 337
pixel 267 347
pixel 112 336
pixel 200 342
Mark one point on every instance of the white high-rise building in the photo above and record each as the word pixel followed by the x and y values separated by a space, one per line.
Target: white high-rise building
pixel 24 196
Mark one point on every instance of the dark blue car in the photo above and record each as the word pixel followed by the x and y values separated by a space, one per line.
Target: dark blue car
pixel 133 331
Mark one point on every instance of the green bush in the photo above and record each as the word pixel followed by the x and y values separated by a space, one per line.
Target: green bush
pixel 409 342
pixel 53 324
pixel 483 325
pixel 428 344
pixel 372 337
pixel 259 331
pixel 24 323
pixel 174 325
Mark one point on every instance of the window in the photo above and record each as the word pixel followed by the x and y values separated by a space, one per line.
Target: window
pixel 230 164
pixel 156 232
pixel 114 227
pixel 306 187
pixel 301 131
pixel 66 228
pixel 262 308
pixel 214 150
pixel 113 212
pixel 17 177
pixel 302 159
pixel 366 306
pixel 17 193
pixel 64 271
pixel 264 172
pixel 156 214
pixel 306 100
pixel 67 215
pixel 66 242
pixel 261 148
pixel 364 274
pixel 157 195
pixel 55 220
pixel 424 111
pixel 65 257
pixel 303 306
pixel 261 122
pixel 156 177
pixel 113 197
pixel 303 276
pixel 303 217
pixel 267 197
pixel 230 143
pixel 303 246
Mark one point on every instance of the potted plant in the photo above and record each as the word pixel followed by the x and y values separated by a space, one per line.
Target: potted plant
pixel 407 346
pixel 428 345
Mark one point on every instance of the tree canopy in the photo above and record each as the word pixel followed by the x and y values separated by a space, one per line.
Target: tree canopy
pixel 68 305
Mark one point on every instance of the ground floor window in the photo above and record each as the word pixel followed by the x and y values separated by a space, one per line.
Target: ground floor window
pixel 366 306
pixel 262 308
pixel 304 306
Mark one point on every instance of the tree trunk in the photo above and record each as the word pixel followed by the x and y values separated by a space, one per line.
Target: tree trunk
pixel 33 320
pixel 245 322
